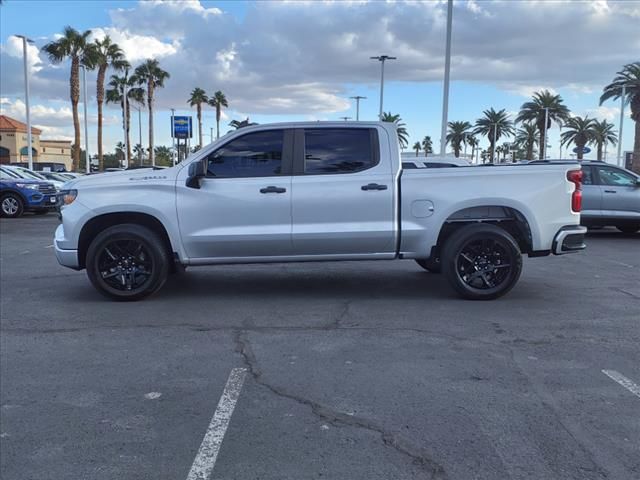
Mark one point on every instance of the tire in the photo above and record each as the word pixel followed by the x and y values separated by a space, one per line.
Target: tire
pixel 628 228
pixel 431 265
pixel 481 248
pixel 127 262
pixel 11 205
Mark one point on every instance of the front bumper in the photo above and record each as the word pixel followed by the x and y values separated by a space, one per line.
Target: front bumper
pixel 66 258
pixel 569 239
pixel 39 201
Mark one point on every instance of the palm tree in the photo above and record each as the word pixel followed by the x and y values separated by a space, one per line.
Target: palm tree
pixel 139 150
pixel 403 136
pixel 544 105
pixel 115 94
pixel 494 125
pixel 105 54
pixel 457 134
pixel 120 152
pixel 197 98
pixel 527 138
pixel 72 45
pixel 152 76
pixel 218 101
pixel 237 124
pixel 603 134
pixel 416 147
pixel 580 131
pixel 427 145
pixel 163 155
pixel 629 78
pixel 473 143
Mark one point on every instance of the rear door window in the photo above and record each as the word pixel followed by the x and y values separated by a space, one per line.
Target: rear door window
pixel 615 178
pixel 339 150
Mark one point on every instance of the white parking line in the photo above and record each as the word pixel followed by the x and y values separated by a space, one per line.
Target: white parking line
pixel 208 452
pixel 622 380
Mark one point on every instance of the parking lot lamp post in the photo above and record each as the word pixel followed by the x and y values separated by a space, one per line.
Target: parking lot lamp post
pixel 86 128
pixel 173 138
pixel 620 161
pixel 495 140
pixel 125 93
pixel 357 98
pixel 447 69
pixel 26 40
pixel 382 59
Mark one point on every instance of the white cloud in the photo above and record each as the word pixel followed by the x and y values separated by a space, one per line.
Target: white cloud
pixel 137 47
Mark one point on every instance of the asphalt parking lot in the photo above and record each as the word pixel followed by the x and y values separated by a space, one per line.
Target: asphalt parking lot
pixel 356 370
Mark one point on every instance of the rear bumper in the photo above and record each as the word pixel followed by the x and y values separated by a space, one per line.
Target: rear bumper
pixel 569 239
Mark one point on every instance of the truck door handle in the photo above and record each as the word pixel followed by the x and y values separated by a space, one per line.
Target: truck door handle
pixel 609 191
pixel 374 186
pixel 272 189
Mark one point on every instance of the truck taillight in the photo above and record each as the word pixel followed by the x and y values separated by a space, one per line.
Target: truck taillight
pixel 575 177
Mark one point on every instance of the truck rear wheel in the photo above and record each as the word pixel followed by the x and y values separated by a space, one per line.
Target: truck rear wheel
pixel 430 264
pixel 481 261
pixel 127 262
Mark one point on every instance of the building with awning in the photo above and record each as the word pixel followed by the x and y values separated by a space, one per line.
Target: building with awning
pixel 48 154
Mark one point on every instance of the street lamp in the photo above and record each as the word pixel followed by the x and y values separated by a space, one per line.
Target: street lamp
pixel 357 98
pixel 620 161
pixel 173 138
pixel 447 69
pixel 382 59
pixel 26 40
pixel 546 129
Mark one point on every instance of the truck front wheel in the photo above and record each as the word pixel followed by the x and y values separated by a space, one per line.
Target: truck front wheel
pixel 127 262
pixel 481 261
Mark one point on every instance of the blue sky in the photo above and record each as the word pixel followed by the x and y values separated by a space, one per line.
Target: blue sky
pixel 302 61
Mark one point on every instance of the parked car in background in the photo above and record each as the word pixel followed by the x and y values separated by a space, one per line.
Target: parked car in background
pixel 434 162
pixel 18 195
pixel 27 174
pixel 610 195
pixel 55 177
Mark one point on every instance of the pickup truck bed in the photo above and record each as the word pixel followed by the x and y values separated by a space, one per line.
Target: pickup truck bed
pixel 316 192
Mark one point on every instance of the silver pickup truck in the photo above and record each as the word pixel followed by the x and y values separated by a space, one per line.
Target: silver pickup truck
pixel 300 192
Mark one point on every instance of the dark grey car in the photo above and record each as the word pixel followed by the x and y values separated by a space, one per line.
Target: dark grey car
pixel 610 197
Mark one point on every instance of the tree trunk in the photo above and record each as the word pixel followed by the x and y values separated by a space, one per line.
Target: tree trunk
pixel 128 136
pixel 199 106
pixel 543 140
pixel 100 99
pixel 599 151
pixel 152 158
pixel 456 150
pixel 417 152
pixel 580 150
pixel 530 151
pixel 74 87
pixel 217 121
pixel 473 152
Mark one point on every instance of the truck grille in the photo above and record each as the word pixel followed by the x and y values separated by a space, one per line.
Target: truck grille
pixel 46 188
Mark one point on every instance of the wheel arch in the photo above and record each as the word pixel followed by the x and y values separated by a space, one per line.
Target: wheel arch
pixel 509 218
pixel 100 222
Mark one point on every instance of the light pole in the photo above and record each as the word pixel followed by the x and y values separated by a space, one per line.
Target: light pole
pixel 620 161
pixel 465 145
pixel 560 141
pixel 26 40
pixel 357 98
pixel 125 101
pixel 173 138
pixel 546 129
pixel 447 69
pixel 495 139
pixel 86 128
pixel 382 59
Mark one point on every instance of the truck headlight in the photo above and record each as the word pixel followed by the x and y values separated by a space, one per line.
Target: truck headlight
pixel 68 196
pixel 30 186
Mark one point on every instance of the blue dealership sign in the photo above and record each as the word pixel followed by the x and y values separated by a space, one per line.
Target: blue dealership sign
pixel 182 127
pixel 585 150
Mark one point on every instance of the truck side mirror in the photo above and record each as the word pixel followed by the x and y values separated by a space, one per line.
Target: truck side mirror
pixel 196 172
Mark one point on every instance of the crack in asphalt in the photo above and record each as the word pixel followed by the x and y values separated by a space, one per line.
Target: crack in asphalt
pixel 394 440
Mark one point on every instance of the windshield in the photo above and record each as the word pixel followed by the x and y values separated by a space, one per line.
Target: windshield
pixel 26 173
pixel 6 173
